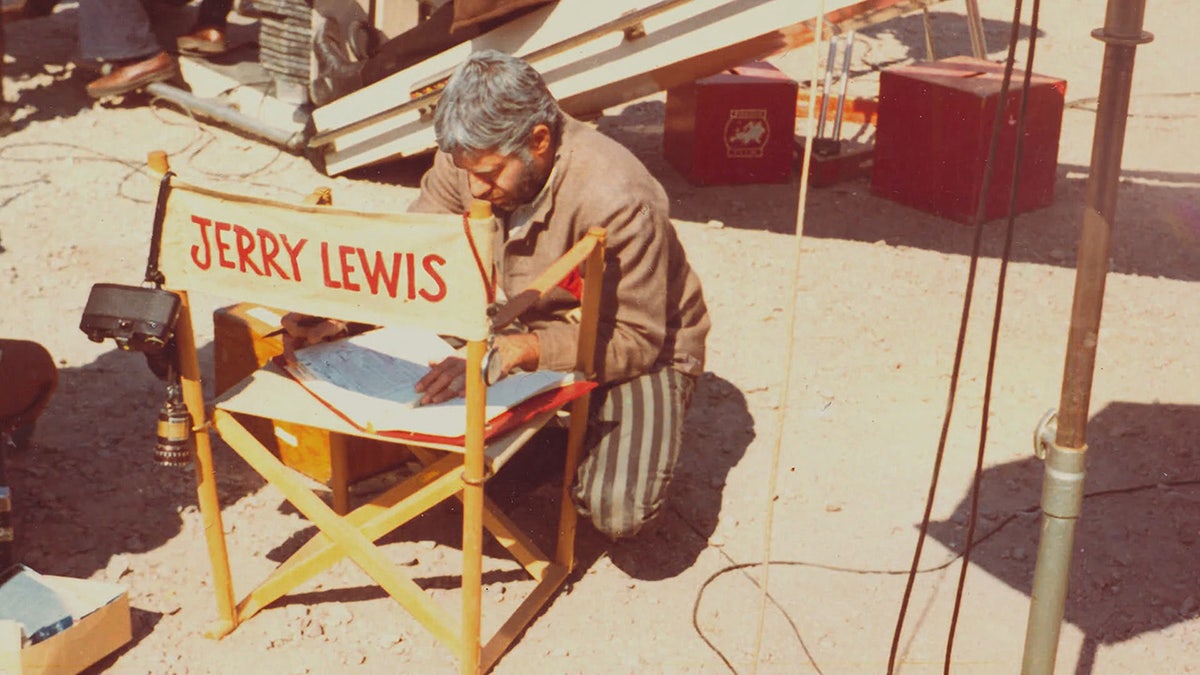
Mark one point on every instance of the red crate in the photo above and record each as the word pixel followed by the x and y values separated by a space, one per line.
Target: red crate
pixel 935 126
pixel 732 128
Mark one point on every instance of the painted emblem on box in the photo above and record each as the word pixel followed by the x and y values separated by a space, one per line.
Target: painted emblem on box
pixel 746 133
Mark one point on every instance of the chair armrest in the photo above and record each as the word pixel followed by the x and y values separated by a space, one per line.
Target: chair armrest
pixel 556 272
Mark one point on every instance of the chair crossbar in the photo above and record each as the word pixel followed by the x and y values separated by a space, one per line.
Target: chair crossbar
pixel 381 515
pixel 495 647
pixel 504 530
pixel 356 545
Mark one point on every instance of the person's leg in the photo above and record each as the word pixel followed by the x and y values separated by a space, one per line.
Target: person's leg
pixel 633 442
pixel 207 37
pixel 213 13
pixel 119 32
pixel 29 376
pixel 115 30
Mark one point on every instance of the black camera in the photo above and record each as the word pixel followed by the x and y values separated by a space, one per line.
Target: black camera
pixel 139 319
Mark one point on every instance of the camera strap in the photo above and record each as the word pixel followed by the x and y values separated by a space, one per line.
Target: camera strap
pixel 153 274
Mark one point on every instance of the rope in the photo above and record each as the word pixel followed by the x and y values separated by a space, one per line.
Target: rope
pixel 489 283
pixel 789 350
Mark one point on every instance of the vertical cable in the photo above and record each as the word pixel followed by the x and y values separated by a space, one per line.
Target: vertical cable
pixel 1014 186
pixel 781 417
pixel 956 369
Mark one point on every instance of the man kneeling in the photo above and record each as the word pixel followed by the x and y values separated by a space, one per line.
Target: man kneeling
pixel 502 138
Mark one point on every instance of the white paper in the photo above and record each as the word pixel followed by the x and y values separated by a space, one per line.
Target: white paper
pixel 369 378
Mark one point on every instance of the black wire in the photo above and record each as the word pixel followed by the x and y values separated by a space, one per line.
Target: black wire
pixel 1085 104
pixel 981 210
pixel 201 142
pixel 941 449
pixel 1004 522
pixel 1014 182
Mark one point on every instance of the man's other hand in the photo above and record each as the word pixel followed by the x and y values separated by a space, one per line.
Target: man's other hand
pixel 302 330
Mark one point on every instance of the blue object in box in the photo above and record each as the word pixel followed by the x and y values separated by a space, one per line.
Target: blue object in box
pixel 28 600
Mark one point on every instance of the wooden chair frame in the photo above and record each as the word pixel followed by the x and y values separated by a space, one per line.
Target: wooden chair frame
pixel 448 471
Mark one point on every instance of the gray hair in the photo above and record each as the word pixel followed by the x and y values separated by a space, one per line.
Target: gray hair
pixel 491 104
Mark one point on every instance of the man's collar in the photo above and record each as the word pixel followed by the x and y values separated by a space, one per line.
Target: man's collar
pixel 538 210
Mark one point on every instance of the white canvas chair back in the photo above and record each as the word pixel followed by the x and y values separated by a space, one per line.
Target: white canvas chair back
pixel 419 269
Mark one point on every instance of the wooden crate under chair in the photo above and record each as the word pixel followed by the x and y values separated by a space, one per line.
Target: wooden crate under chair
pixel 241 346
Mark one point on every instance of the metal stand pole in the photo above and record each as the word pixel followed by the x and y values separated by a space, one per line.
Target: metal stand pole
pixel 847 53
pixel 975 26
pixel 4 113
pixel 829 65
pixel 1062 492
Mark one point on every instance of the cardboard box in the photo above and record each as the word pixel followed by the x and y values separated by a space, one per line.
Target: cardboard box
pixel 934 131
pixel 732 128
pixel 101 625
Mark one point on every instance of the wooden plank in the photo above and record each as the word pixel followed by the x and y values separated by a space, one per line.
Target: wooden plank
pixel 424 95
pixel 671 38
pixel 536 30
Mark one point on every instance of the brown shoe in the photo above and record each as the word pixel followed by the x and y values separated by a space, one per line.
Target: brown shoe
pixel 130 76
pixel 202 42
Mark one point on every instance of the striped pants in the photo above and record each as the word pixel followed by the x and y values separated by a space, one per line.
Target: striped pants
pixel 634 433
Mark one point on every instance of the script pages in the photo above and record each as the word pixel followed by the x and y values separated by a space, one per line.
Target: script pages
pixel 368 379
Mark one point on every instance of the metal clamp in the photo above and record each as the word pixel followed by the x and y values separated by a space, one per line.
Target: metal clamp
pixel 1044 433
pixel 1107 38
pixel 487 475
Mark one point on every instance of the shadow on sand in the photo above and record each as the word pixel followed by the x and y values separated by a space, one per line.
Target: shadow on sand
pixel 1133 570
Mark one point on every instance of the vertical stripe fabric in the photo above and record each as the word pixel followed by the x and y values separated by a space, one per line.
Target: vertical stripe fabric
pixel 633 443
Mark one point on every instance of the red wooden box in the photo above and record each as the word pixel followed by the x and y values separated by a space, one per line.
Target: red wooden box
pixel 934 129
pixel 732 128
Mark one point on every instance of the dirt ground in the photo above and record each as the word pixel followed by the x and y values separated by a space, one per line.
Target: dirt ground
pixel 852 417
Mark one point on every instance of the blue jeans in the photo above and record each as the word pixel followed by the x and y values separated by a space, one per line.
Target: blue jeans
pixel 115 30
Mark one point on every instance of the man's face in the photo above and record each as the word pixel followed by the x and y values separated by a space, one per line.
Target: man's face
pixel 508 181
pixel 504 180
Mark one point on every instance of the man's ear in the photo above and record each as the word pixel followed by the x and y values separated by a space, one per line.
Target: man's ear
pixel 541 141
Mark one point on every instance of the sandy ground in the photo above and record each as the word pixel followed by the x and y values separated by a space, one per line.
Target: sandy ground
pixel 858 405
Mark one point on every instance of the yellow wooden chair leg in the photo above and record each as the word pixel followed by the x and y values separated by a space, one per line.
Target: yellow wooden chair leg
pixel 472 499
pixel 567 516
pixel 206 481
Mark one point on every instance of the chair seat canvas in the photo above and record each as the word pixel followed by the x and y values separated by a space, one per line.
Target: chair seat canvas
pixel 272 394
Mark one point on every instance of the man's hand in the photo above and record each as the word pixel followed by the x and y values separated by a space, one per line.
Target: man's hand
pixel 518 350
pixel 302 330
pixel 448 379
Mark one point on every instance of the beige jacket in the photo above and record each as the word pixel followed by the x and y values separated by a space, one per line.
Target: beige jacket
pixel 652 311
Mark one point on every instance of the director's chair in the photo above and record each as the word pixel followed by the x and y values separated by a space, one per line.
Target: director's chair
pixel 307 256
